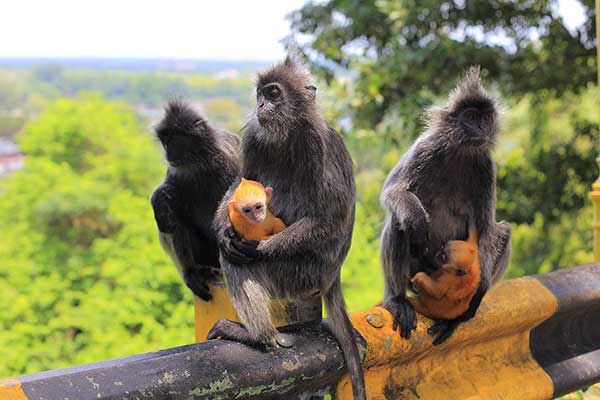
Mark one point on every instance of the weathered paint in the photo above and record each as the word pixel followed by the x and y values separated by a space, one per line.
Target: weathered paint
pixel 283 312
pixel 486 358
pixel 10 389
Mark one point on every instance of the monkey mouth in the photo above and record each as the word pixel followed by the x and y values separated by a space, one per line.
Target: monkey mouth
pixel 476 140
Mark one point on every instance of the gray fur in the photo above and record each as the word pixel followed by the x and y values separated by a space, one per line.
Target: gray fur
pixel 288 146
pixel 203 162
pixel 443 181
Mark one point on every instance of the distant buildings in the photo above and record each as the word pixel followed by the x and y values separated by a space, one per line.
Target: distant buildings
pixel 11 159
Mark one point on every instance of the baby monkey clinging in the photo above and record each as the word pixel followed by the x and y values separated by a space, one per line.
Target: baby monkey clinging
pixel 446 294
pixel 249 212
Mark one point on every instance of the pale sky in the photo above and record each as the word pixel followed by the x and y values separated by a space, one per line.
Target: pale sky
pixel 198 29
pixel 224 29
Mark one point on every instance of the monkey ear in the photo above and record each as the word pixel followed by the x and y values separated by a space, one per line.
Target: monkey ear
pixel 231 204
pixel 269 191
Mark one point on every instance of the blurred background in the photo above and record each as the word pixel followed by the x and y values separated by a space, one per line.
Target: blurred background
pixel 82 275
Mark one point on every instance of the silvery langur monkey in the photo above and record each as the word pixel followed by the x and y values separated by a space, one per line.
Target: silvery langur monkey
pixel 445 179
pixel 202 164
pixel 288 146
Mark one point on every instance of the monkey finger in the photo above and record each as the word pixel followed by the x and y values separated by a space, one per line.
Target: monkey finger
pixel 246 247
pixel 446 333
pixel 230 233
pixel 438 326
pixel 232 254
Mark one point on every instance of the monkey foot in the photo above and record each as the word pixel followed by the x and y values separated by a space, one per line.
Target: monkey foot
pixel 445 328
pixel 404 315
pixel 234 331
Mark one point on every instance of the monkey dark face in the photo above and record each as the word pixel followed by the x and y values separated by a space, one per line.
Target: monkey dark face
pixel 285 99
pixel 271 103
pixel 477 127
pixel 184 135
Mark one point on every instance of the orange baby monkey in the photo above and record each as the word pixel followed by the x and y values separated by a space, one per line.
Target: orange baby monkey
pixel 249 213
pixel 446 294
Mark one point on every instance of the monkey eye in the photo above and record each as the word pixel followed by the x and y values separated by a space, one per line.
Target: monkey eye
pixel 443 256
pixel 258 207
pixel 246 210
pixel 272 92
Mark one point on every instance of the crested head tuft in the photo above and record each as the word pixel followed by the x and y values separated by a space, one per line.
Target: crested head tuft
pixel 470 92
pixel 290 72
pixel 179 117
pixel 248 189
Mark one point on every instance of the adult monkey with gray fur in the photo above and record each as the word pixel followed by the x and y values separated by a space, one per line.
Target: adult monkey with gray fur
pixel 288 145
pixel 203 162
pixel 446 179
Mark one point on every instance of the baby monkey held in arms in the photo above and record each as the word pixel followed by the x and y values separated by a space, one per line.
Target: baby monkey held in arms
pixel 447 292
pixel 249 213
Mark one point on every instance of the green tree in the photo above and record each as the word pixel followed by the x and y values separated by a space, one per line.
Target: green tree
pixel 402 54
pixel 84 278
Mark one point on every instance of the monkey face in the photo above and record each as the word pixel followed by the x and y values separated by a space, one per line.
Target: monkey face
pixel 456 254
pixel 477 126
pixel 255 212
pixel 270 102
pixel 183 135
pixel 178 148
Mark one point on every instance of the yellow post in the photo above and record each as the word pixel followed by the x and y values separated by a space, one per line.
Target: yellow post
pixel 283 312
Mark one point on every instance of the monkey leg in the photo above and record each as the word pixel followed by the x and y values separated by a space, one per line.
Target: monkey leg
pixel 444 328
pixel 501 240
pixel 395 258
pixel 251 301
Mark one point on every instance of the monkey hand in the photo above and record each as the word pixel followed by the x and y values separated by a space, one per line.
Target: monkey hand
pixel 237 250
pixel 196 281
pixel 161 201
pixel 404 315
pixel 445 328
pixel 418 281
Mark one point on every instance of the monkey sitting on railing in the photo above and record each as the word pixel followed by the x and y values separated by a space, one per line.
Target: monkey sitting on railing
pixel 447 292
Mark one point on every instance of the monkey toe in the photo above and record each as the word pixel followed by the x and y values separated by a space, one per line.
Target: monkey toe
pixel 234 331
pixel 445 329
pixel 228 330
pixel 404 316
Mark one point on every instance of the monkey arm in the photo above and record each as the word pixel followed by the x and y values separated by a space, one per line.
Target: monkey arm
pixel 408 211
pixel 435 289
pixel 162 200
pixel 494 248
pixel 232 248
pixel 301 237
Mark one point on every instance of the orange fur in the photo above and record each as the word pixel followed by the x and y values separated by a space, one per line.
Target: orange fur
pixel 249 192
pixel 444 294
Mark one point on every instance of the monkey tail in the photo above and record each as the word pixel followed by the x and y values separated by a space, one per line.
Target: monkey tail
pixel 343 331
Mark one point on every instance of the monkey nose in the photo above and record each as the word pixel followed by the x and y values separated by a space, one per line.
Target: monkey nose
pixel 261 104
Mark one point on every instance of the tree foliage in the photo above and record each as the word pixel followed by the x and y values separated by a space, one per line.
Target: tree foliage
pixel 403 54
pixel 83 277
